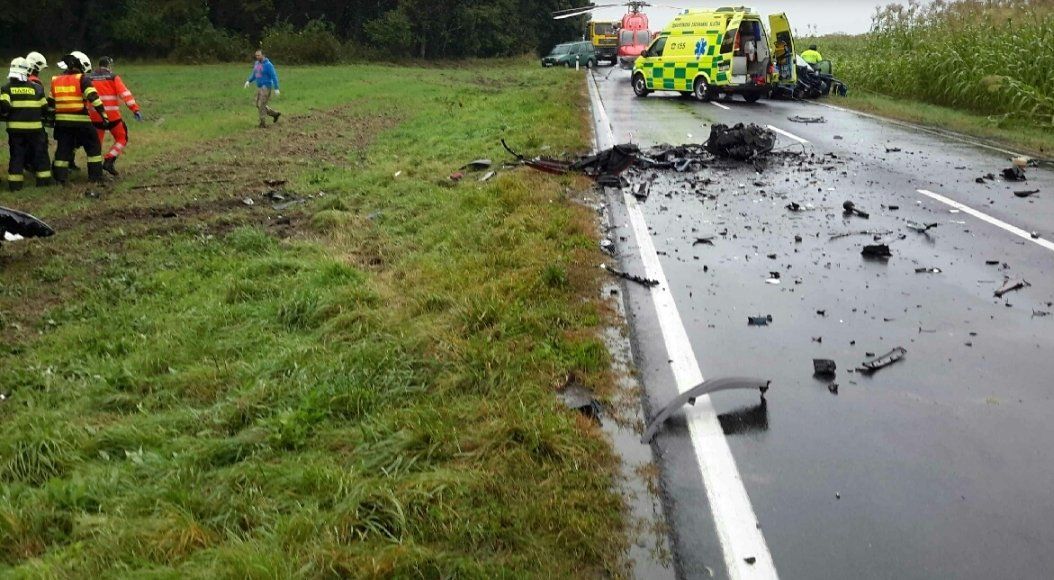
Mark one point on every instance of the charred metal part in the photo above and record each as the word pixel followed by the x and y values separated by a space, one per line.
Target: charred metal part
pixel 759 320
pixel 880 251
pixel 928 270
pixel 878 363
pixel 577 397
pixel 1014 173
pixel 850 209
pixel 874 233
pixel 22 224
pixel 709 241
pixel 824 367
pixel 794 206
pixel 1009 286
pixel 892 149
pixel 741 142
pixel 646 282
pixel 806 120
pixel 691 395
pixel 1026 193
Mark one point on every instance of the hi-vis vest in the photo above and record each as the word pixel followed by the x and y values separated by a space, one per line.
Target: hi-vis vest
pixel 112 91
pixel 25 105
pixel 72 93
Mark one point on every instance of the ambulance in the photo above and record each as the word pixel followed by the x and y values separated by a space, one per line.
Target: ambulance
pixel 725 51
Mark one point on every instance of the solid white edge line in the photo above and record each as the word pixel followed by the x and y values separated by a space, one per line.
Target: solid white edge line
pixel 717 104
pixel 946 135
pixel 987 218
pixel 734 518
pixel 789 135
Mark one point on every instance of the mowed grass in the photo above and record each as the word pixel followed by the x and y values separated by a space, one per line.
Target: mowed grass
pixel 358 385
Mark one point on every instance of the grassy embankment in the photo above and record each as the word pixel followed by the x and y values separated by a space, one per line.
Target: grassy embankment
pixel 362 386
pixel 981 69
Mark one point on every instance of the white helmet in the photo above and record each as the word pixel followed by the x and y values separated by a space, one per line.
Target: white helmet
pixel 19 69
pixel 36 61
pixel 84 60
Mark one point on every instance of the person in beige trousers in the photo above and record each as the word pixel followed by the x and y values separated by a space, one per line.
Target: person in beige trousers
pixel 265 78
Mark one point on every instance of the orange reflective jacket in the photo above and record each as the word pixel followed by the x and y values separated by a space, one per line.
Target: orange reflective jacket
pixel 72 94
pixel 112 91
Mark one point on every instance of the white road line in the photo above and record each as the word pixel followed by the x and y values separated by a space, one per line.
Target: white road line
pixel 987 218
pixel 717 104
pixel 789 135
pixel 939 133
pixel 734 519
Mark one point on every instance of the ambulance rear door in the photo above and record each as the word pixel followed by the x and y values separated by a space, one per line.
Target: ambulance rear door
pixel 783 49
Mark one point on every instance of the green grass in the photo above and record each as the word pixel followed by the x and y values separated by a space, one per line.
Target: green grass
pixel 363 387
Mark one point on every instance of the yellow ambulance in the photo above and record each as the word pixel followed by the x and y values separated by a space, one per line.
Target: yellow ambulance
pixel 723 51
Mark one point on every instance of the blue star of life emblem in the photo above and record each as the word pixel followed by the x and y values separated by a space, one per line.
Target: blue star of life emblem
pixel 700 48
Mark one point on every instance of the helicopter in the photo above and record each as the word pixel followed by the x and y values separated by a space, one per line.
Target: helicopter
pixel 634 34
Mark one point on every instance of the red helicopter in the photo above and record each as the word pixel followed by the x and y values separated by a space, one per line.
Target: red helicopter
pixel 634 34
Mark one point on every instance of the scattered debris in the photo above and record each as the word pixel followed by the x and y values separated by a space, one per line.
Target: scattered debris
pixel 488 176
pixel 1014 173
pixel 641 190
pixel 22 225
pixel 873 233
pixel 276 182
pixel 1026 193
pixel 705 388
pixel 759 320
pixel 824 367
pixel 880 251
pixel 806 120
pixel 1035 235
pixel 477 165
pixel 708 241
pixel 646 282
pixel 1040 313
pixel 875 364
pixel 1009 286
pixel 607 246
pixel 794 206
pixel 921 228
pixel 751 560
pixel 741 142
pixel 833 388
pixel 456 176
pixel 578 397
pixel 928 270
pixel 248 201
pixel 850 209
pixel 892 149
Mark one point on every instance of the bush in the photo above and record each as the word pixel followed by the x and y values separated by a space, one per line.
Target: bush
pixel 315 43
pixel 202 42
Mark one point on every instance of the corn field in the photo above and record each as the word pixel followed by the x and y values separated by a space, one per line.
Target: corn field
pixel 994 57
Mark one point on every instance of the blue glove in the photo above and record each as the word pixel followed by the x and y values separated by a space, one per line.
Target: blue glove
pixel 138 116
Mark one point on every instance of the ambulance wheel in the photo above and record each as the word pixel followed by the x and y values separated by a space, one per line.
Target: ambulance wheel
pixel 752 97
pixel 640 86
pixel 702 90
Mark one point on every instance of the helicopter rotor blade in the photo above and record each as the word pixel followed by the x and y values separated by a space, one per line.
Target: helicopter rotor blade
pixel 572 12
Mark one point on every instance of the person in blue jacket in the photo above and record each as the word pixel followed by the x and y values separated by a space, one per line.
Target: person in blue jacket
pixel 266 80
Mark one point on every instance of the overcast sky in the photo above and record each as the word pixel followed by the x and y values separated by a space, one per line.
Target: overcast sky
pixel 827 16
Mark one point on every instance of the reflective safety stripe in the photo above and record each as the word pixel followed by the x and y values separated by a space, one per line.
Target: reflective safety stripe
pixel 73 118
pixel 60 164
pixel 5 98
pixel 24 125
pixel 64 89
pixel 44 174
pixel 28 104
pixel 112 108
pixel 95 159
pixel 15 177
pixel 126 94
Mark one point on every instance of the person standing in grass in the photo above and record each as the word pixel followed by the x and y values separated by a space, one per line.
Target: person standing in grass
pixel 266 79
pixel 23 105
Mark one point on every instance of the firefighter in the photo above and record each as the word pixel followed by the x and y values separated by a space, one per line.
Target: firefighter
pixel 812 56
pixel 73 92
pixel 37 64
pixel 24 105
pixel 112 90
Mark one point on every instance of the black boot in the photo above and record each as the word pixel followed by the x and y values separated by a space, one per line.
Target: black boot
pixel 108 166
pixel 275 116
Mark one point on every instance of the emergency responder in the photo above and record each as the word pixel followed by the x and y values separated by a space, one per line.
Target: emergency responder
pixel 24 106
pixel 73 92
pixel 266 79
pixel 37 64
pixel 112 91
pixel 812 56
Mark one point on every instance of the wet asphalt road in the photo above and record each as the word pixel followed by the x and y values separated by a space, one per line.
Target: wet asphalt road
pixel 940 466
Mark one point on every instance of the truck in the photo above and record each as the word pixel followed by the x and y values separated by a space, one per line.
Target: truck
pixel 604 36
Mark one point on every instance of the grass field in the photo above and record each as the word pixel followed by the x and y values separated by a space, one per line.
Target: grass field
pixel 359 385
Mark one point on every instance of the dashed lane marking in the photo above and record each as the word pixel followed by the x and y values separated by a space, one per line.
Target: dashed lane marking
pixel 987 218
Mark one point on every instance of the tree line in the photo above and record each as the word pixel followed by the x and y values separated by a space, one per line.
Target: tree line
pixel 307 30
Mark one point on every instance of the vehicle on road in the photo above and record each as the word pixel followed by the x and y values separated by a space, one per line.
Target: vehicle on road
pixel 724 51
pixel 571 54
pixel 604 36
pixel 634 34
